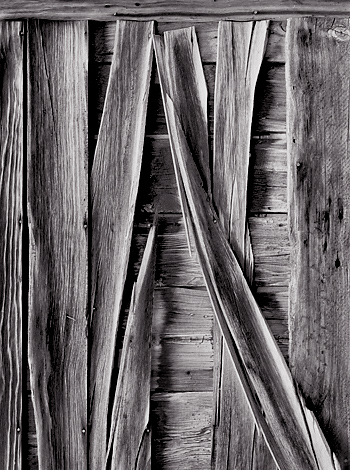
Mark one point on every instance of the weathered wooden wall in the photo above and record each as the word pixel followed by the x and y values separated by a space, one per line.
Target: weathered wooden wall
pixel 182 344
pixel 182 377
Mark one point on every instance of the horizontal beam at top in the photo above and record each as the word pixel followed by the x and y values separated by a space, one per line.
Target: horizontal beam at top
pixel 163 10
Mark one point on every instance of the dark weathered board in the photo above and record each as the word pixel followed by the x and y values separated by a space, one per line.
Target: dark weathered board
pixel 241 47
pixel 114 184
pixel 197 10
pixel 11 220
pixel 130 443
pixel 57 216
pixel 318 71
pixel 290 429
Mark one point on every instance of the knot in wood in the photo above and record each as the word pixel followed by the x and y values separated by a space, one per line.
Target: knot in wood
pixel 340 33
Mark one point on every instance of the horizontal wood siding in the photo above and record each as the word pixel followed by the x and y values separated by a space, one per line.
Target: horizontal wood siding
pixel 318 70
pixel 57 213
pixel 11 223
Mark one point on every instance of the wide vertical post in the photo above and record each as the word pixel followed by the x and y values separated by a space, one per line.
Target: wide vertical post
pixel 318 98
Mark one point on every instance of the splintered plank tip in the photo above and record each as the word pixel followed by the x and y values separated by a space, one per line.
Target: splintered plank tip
pixel 130 444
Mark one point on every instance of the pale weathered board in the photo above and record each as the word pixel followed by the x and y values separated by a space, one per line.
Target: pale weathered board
pixel 290 429
pixel 129 443
pixel 241 47
pixel 11 222
pixel 57 217
pixel 114 184
pixel 318 71
pixel 197 10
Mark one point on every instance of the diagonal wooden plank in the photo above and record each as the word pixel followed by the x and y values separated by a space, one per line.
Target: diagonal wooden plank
pixel 114 184
pixel 11 176
pixel 318 71
pixel 130 442
pixel 290 430
pixel 181 76
pixel 57 214
pixel 236 442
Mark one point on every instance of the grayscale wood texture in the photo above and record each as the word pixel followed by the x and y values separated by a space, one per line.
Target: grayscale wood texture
pixel 198 10
pixel 11 220
pixel 183 353
pixel 318 53
pixel 57 216
pixel 289 428
pixel 182 370
pixel 241 46
pixel 114 185
pixel 130 441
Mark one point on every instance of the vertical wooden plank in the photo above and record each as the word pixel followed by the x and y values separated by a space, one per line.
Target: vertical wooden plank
pixel 130 443
pixel 57 214
pixel 114 184
pixel 290 429
pixel 236 442
pixel 318 97
pixel 11 176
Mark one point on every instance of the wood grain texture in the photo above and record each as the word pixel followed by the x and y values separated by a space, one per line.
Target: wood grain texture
pixel 318 71
pixel 241 47
pixel 181 76
pixel 181 430
pixel 102 35
pixel 198 10
pixel 11 210
pixel 114 184
pixel 290 430
pixel 270 107
pixel 57 215
pixel 129 445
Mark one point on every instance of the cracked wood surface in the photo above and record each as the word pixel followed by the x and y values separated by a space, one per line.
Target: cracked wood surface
pixel 57 216
pixel 318 53
pixel 114 184
pixel 196 10
pixel 241 46
pixel 11 210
